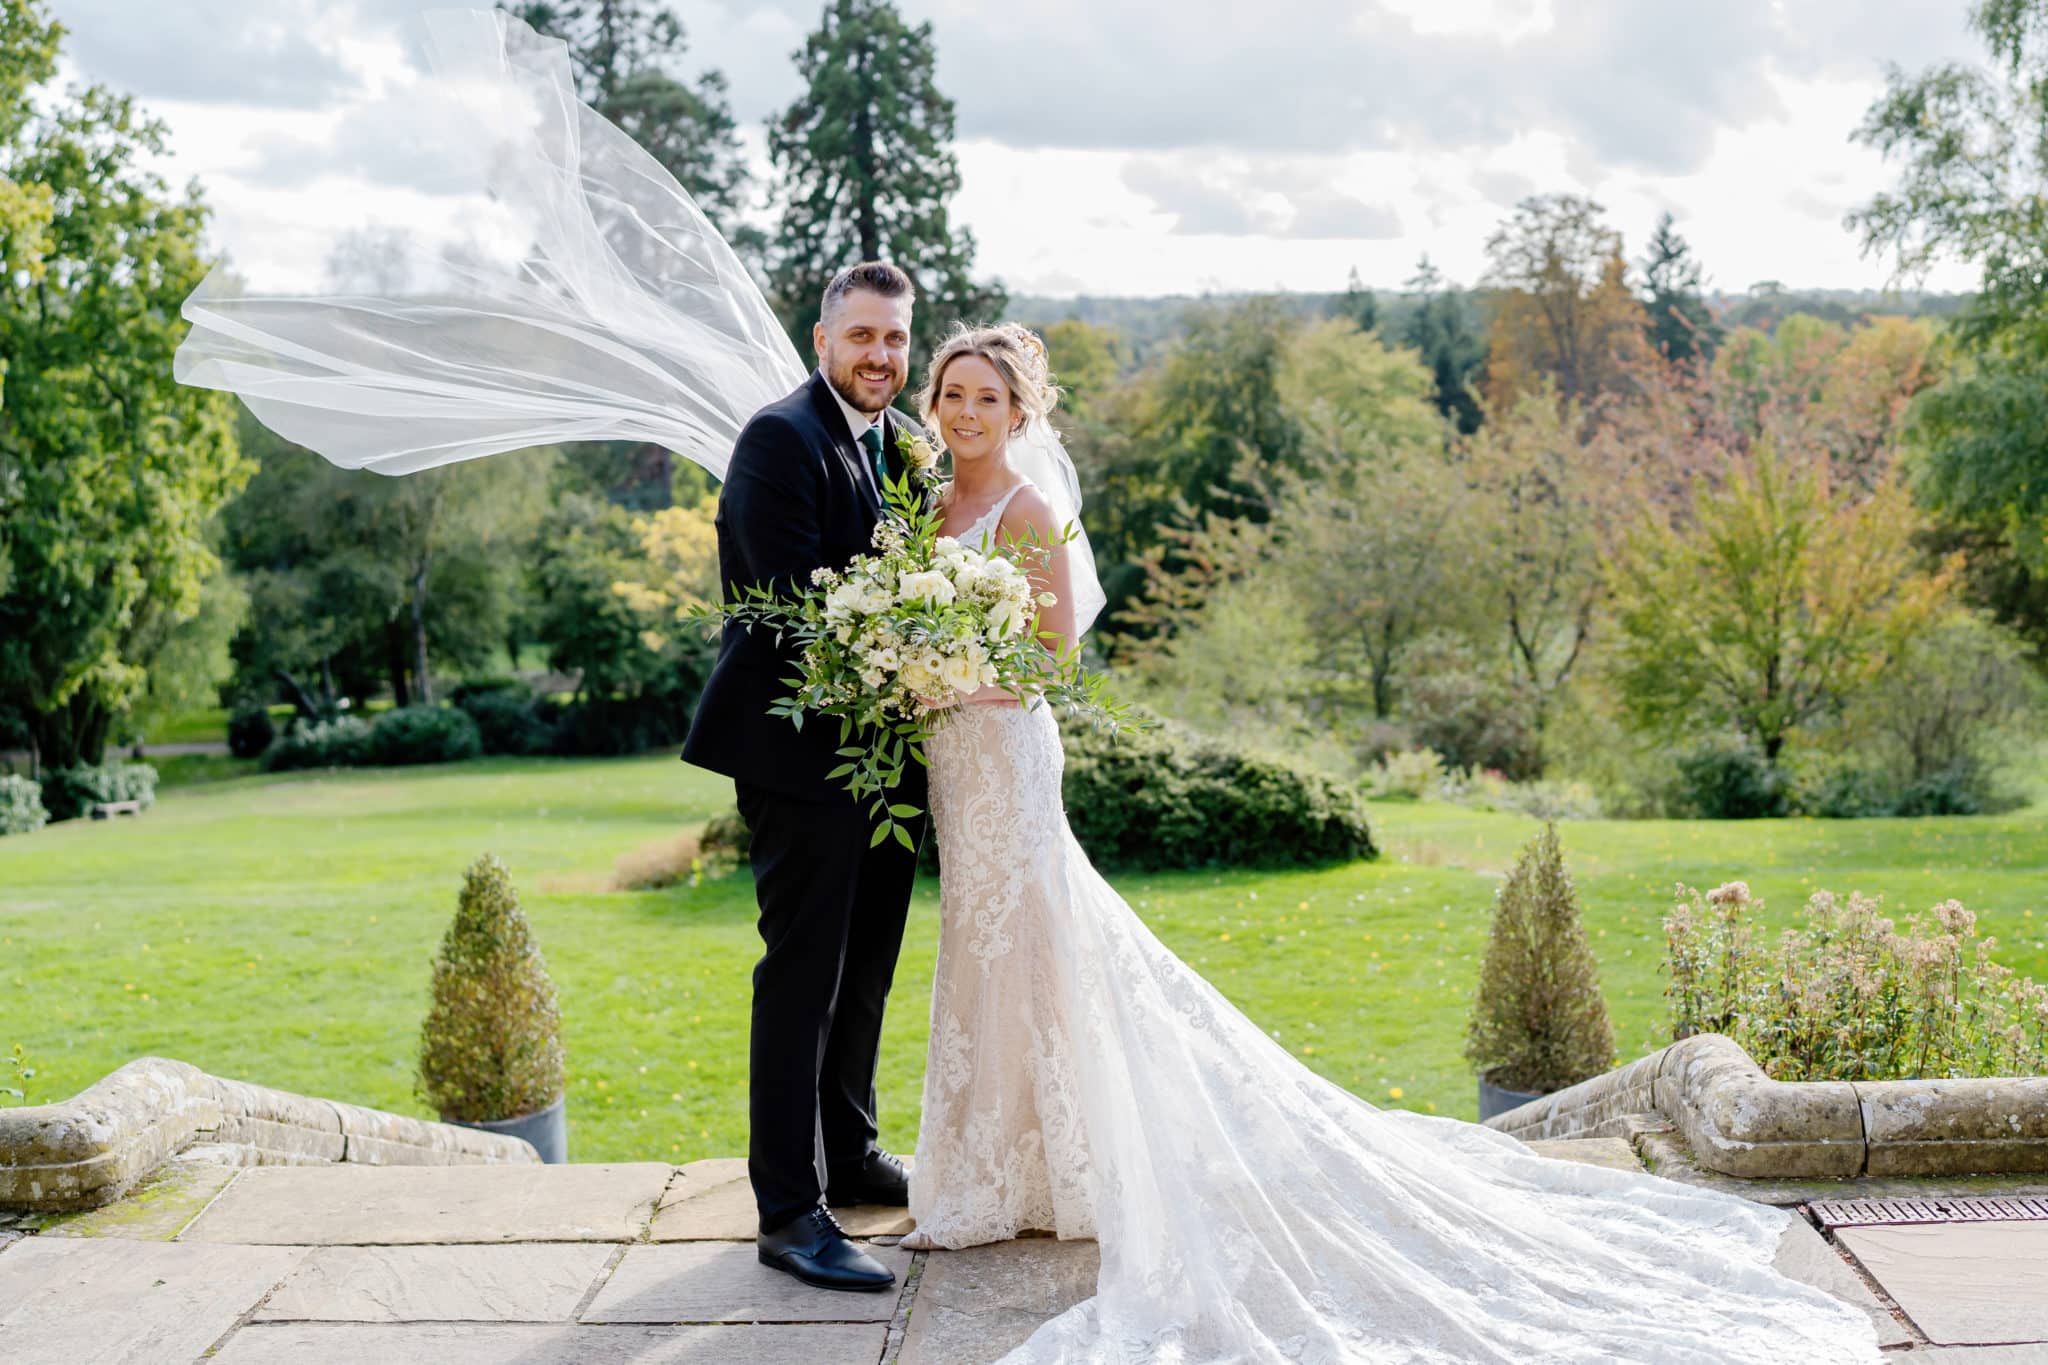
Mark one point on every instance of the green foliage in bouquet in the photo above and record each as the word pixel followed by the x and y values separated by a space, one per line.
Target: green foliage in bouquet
pixel 923 619
pixel 491 1047
pixel 1852 996
pixel 1539 1023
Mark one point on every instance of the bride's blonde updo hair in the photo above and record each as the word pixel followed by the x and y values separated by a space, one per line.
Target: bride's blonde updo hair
pixel 1018 356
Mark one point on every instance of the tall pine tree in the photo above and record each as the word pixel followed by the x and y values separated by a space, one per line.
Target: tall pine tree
pixel 866 166
pixel 624 53
pixel 1681 324
pixel 1451 346
pixel 1356 303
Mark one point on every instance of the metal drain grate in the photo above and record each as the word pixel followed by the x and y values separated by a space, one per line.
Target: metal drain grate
pixel 1852 1213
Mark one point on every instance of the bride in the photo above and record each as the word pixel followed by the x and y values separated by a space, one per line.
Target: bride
pixel 1081 1079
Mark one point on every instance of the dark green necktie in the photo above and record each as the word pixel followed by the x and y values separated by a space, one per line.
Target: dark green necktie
pixel 872 439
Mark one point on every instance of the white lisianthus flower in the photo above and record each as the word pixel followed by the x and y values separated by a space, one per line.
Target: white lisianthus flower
pixel 882 656
pixel 873 678
pixel 927 586
pixel 843 599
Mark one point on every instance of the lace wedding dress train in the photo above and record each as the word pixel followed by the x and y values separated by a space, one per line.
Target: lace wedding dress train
pixel 1084 1081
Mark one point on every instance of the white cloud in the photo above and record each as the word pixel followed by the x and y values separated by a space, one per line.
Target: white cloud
pixel 1108 150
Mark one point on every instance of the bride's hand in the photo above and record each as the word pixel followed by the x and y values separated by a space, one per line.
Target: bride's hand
pixel 991 696
pixel 951 699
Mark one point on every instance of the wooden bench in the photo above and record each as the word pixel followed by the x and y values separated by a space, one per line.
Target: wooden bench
pixel 107 810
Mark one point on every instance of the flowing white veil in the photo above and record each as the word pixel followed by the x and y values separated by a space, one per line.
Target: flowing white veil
pixel 590 300
pixel 1040 456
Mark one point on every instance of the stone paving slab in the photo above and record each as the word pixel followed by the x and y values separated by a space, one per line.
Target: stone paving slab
pixel 1962 1283
pixel 720 1282
pixel 975 1305
pixel 155 1210
pixel 505 1344
pixel 534 1282
pixel 394 1205
pixel 1805 1255
pixel 711 1201
pixel 65 1301
pixel 1616 1154
pixel 1977 1355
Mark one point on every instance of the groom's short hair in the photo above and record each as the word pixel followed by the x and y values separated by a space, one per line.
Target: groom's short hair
pixel 876 277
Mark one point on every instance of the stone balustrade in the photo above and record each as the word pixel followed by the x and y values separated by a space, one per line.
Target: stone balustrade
pixel 93 1148
pixel 1740 1122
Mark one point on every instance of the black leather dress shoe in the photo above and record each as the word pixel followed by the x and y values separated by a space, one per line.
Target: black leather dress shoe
pixel 813 1249
pixel 880 1179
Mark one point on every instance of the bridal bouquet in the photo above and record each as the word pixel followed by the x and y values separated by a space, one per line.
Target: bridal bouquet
pixel 892 640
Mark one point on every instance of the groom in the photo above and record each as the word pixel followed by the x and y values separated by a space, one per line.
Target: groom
pixel 804 492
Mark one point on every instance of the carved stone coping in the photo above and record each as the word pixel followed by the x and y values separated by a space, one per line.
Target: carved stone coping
pixel 1740 1122
pixel 90 1150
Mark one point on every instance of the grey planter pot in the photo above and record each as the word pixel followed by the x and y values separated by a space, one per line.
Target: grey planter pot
pixel 1494 1100
pixel 547 1129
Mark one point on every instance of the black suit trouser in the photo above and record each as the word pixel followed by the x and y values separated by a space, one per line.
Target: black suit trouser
pixel 832 915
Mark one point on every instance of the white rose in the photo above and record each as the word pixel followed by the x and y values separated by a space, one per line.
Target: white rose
pixel 1007 617
pixel 929 586
pixel 959 674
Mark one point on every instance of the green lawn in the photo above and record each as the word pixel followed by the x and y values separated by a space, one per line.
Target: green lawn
pixel 279 929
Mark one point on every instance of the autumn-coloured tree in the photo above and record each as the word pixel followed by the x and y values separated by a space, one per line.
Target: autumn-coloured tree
pixel 1779 598
pixel 1563 312
pixel 1548 503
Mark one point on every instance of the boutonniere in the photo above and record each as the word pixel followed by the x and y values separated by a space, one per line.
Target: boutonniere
pixel 920 456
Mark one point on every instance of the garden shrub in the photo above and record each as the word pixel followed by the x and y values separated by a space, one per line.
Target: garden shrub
pixel 21 805
pixel 1724 776
pixel 422 734
pixel 1471 715
pixel 609 726
pixel 1169 798
pixel 69 793
pixel 727 837
pixel 1539 1022
pixel 491 1045
pixel 1407 776
pixel 508 720
pixel 1851 996
pixel 337 743
pixel 250 730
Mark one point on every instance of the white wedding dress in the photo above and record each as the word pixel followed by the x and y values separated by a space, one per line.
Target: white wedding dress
pixel 1084 1081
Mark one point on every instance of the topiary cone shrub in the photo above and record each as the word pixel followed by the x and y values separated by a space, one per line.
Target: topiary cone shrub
pixel 1539 1023
pixel 491 1047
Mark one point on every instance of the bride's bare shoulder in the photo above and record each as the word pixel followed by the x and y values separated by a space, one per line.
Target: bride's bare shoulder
pixel 1028 509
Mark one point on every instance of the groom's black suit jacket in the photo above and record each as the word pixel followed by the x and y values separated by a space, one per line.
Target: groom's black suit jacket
pixel 796 498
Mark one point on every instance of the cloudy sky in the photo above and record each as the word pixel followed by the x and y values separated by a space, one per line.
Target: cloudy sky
pixel 1115 147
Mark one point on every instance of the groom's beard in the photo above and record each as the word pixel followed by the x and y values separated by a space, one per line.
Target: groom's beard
pixel 863 395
